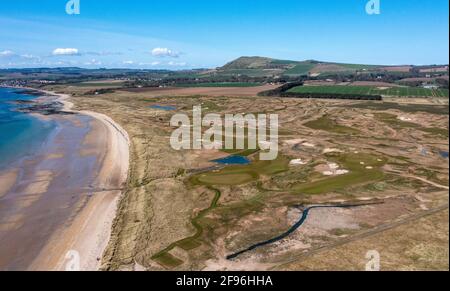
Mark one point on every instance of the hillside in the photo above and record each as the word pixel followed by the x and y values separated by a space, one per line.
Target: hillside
pixel 261 66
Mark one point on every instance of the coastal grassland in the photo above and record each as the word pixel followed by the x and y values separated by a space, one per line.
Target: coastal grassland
pixel 181 211
pixel 327 124
pixel 420 245
pixel 228 176
pixel 359 173
pixel 407 108
pixel 395 122
pixel 189 243
pixel 369 90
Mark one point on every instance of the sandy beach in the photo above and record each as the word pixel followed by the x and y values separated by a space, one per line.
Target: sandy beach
pixel 58 206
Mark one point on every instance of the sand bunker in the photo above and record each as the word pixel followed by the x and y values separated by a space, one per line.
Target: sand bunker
pixel 331 169
pixel 327 151
pixel 404 118
pixel 297 162
pixel 308 145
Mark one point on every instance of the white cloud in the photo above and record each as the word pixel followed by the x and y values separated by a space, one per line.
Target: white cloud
pixel 164 52
pixel 7 53
pixel 65 52
pixel 128 62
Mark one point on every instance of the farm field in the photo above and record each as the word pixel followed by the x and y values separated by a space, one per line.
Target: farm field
pixel 300 69
pixel 368 90
pixel 221 84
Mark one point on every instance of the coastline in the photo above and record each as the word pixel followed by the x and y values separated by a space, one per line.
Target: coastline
pixel 90 233
pixel 82 224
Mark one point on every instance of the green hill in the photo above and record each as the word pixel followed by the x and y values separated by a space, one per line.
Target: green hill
pixel 261 66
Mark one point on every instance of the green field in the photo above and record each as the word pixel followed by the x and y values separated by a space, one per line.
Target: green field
pixel 227 84
pixel 301 69
pixel 368 90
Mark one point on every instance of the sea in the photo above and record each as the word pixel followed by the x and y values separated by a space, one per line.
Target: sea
pixel 21 134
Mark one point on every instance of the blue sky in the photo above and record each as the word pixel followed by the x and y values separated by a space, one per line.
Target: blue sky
pixel 181 34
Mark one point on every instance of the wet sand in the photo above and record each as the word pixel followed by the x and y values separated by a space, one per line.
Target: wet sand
pixel 64 198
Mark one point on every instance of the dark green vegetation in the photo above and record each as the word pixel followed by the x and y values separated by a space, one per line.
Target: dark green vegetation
pixel 287 91
pixel 368 90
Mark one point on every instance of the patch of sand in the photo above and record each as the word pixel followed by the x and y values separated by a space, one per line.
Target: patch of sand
pixel 7 180
pixel 404 118
pixel 12 223
pixel 327 151
pixel 54 156
pixel 297 162
pixel 331 169
pixel 308 145
pixel 42 180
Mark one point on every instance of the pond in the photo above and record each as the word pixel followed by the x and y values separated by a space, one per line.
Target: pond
pixel 233 160
pixel 163 107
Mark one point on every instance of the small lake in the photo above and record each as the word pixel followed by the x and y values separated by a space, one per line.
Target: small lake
pixel 165 108
pixel 233 160
pixel 444 154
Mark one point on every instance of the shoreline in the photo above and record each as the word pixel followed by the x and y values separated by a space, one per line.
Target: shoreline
pixel 90 233
pixel 82 229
